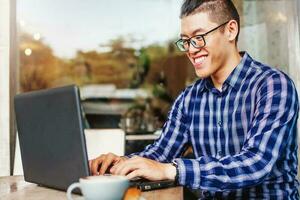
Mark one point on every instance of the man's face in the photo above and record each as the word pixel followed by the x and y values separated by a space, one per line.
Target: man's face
pixel 208 60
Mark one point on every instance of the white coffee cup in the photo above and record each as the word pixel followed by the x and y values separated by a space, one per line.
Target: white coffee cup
pixel 106 187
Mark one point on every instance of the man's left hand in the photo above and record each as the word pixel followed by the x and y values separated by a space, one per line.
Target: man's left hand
pixel 146 168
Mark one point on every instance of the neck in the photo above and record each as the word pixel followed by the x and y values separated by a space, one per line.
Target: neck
pixel 222 74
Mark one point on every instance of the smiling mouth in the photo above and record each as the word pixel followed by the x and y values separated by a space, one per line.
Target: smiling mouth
pixel 199 61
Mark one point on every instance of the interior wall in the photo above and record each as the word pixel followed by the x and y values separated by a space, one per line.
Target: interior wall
pixel 4 88
pixel 293 32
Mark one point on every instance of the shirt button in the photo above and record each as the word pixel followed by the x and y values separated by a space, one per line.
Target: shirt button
pixel 220 154
pixel 220 123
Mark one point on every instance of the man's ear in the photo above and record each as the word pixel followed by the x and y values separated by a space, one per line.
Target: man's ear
pixel 232 30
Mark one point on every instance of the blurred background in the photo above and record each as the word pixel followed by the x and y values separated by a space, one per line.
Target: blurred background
pixel 121 54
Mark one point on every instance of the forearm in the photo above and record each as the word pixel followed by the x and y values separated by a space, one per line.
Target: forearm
pixel 218 175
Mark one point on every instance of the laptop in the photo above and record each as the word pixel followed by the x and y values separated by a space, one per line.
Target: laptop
pixel 52 140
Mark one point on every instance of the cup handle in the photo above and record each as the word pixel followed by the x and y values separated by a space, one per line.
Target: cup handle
pixel 71 188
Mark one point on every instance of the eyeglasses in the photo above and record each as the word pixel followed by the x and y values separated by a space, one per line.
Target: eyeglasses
pixel 197 41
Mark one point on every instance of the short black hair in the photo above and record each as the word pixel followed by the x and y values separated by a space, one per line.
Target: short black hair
pixel 219 11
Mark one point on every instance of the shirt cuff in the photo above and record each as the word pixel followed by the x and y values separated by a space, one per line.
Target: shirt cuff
pixel 188 172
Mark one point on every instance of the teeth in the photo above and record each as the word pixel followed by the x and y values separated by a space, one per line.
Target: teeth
pixel 201 59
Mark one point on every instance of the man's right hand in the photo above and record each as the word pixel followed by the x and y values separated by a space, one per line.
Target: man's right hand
pixel 100 165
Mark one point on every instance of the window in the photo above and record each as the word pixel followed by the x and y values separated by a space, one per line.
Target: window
pixel 121 44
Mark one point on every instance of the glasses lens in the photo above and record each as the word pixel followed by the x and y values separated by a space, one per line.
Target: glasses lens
pixel 182 45
pixel 198 41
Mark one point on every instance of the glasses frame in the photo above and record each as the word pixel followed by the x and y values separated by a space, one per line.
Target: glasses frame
pixel 200 35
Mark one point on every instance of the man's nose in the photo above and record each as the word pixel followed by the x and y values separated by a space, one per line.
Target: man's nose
pixel 193 49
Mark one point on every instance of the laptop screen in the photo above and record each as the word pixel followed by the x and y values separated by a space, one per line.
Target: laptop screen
pixel 51 136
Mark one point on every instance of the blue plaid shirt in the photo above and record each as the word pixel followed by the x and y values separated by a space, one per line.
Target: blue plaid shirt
pixel 243 138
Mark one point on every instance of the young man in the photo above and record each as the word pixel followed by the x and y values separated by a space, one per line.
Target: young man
pixel 239 117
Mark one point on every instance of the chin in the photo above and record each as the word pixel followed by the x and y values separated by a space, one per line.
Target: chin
pixel 202 74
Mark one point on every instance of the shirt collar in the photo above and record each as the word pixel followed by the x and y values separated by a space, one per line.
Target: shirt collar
pixel 205 84
pixel 236 77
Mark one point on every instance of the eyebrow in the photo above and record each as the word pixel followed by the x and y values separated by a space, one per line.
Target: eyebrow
pixel 194 32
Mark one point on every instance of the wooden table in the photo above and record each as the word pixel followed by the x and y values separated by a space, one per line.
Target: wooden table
pixel 15 188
